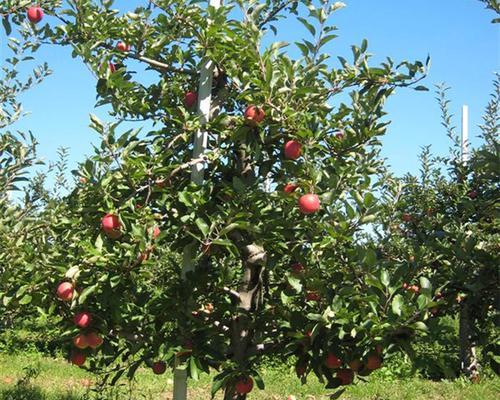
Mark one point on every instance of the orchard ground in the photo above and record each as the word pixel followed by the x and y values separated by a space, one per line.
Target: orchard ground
pixel 55 379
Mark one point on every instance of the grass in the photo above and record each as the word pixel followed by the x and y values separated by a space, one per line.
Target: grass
pixel 34 377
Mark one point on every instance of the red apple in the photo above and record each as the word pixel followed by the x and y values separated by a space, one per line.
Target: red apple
pixel 312 296
pixel 112 67
pixel 122 46
pixel 290 187
pixel 111 226
pixel 77 358
pixel 254 115
pixel 373 362
pixel 309 203
pixel 190 99
pixel 472 194
pixel 94 340
pixel 300 369
pixel 291 397
pixel 244 385
pixel 80 341
pixel 82 319
pixel 65 291
pixel 297 268
pixel 332 361
pixel 35 14
pixel 339 135
pixel 293 149
pixel 346 376
pixel 405 285
pixel 406 217
pixel 414 288
pixel 159 367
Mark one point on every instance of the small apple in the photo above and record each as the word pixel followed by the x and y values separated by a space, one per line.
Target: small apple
pixel 254 115
pixel 373 362
pixel 309 203
pixel 123 47
pixel 405 286
pixel 65 291
pixel 244 385
pixel 77 358
pixel 300 369
pixel 156 232
pixel 111 226
pixel 82 180
pixel 190 99
pixel 339 135
pixel 94 340
pixel 159 367
pixel 290 188
pixel 291 397
pixel 473 194
pixel 80 341
pixel 332 361
pixel 346 376
pixel 414 288
pixel 312 296
pixel 293 149
pixel 82 319
pixel 297 268
pixel 112 67
pixel 35 14
pixel 406 217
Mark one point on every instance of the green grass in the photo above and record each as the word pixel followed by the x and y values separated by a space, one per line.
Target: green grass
pixel 57 380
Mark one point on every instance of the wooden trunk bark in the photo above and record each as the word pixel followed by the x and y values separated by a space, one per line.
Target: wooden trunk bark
pixel 468 359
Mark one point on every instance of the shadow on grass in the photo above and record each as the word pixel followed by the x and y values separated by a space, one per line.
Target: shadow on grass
pixel 30 392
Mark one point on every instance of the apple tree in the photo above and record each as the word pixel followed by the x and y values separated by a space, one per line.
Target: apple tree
pixel 444 227
pixel 266 256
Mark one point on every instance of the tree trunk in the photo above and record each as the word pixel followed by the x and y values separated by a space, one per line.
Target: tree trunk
pixel 468 359
pixel 250 298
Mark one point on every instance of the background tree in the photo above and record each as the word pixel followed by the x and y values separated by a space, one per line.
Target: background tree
pixel 446 228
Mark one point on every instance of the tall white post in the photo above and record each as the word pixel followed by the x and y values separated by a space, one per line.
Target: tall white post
pixel 465 133
pixel 197 172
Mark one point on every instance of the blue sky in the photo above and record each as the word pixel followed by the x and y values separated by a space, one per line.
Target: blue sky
pixel 458 35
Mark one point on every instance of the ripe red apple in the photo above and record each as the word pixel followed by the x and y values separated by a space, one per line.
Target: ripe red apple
pixel 77 358
pixel 406 217
pixel 312 296
pixel 300 369
pixel 405 285
pixel 80 341
pixel 254 115
pixel 112 67
pixel 65 291
pixel 159 367
pixel 339 135
pixel 472 194
pixel 111 226
pixel 373 362
pixel 346 376
pixel 122 46
pixel 291 397
pixel 94 340
pixel 297 268
pixel 332 361
pixel 82 319
pixel 190 99
pixel 293 149
pixel 156 232
pixel 414 289
pixel 309 203
pixel 290 187
pixel 82 180
pixel 35 14
pixel 244 385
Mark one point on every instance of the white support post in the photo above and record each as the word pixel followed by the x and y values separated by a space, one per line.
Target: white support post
pixel 197 172
pixel 465 133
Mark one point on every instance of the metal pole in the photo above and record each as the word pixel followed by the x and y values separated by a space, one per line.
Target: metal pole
pixel 197 172
pixel 465 133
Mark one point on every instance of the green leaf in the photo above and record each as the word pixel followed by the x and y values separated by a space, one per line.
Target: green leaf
pixel 86 292
pixel 202 226
pixel 385 278
pixel 193 368
pixel 397 303
pixel 25 300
